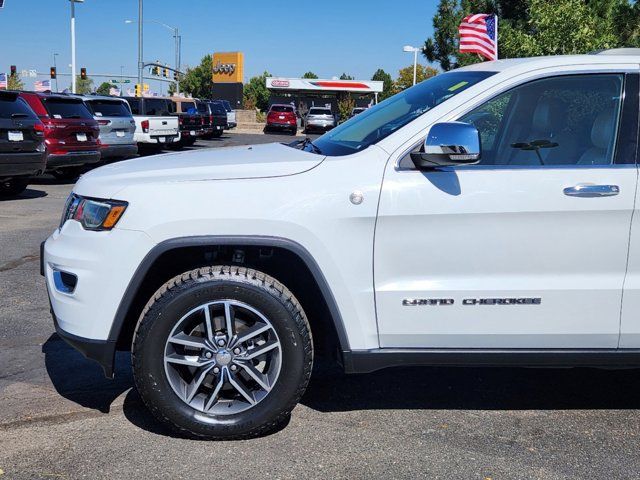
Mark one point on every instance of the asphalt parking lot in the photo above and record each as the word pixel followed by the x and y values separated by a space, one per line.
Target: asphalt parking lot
pixel 60 418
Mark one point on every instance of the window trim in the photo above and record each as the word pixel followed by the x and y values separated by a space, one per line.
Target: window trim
pixel 628 126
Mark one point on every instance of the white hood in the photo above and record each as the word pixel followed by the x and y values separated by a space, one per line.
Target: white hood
pixel 255 161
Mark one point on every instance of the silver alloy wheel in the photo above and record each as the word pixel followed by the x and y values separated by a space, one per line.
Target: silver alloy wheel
pixel 222 357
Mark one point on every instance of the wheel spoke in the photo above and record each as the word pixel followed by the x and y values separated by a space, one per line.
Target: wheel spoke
pixel 188 340
pixel 260 350
pixel 229 319
pixel 260 378
pixel 207 323
pixel 252 332
pixel 194 386
pixel 216 391
pixel 189 360
pixel 237 384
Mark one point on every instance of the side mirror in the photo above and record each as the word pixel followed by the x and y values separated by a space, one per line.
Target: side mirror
pixel 447 144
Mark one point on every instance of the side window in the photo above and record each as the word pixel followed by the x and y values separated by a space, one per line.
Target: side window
pixel 568 120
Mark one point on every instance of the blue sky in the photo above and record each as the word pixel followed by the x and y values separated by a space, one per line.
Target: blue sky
pixel 286 38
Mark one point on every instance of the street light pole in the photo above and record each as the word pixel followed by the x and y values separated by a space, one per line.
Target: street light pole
pixel 409 48
pixel 140 60
pixel 73 46
pixel 177 37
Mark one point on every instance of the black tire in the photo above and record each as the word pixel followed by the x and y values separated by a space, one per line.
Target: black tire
pixel 13 187
pixel 180 295
pixel 216 134
pixel 293 132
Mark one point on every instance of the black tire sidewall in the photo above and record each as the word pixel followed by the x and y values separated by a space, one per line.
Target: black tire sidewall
pixel 149 356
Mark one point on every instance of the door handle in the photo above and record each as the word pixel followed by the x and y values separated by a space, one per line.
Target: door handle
pixel 589 190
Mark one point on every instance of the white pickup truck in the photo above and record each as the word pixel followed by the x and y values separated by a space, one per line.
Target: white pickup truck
pixel 156 127
pixel 485 216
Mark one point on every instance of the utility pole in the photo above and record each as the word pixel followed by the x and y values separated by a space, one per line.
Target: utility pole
pixel 177 37
pixel 73 46
pixel 56 67
pixel 140 53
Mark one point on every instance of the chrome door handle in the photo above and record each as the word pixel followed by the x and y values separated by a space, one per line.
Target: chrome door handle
pixel 589 190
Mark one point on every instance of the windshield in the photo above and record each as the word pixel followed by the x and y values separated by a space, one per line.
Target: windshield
pixel 108 108
pixel 382 120
pixel 202 108
pixel 12 106
pixel 66 108
pixel 319 111
pixel 280 108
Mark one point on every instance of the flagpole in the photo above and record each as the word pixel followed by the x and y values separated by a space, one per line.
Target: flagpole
pixel 496 21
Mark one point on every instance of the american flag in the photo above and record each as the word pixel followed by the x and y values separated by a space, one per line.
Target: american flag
pixel 42 85
pixel 479 34
pixel 3 81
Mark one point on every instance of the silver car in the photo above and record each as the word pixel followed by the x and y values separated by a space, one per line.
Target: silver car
pixel 117 126
pixel 319 118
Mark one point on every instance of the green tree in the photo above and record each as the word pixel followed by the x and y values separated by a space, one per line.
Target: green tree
pixel 256 93
pixel 14 82
pixel 344 76
pixel 309 75
pixel 405 76
pixel 536 27
pixel 104 88
pixel 83 86
pixel 387 83
pixel 172 89
pixel 198 81
pixel 345 105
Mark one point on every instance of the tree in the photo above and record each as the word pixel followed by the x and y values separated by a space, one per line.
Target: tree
pixel 387 83
pixel 344 76
pixel 309 75
pixel 172 89
pixel 345 105
pixel 14 82
pixel 536 27
pixel 405 76
pixel 83 86
pixel 256 92
pixel 198 81
pixel 104 88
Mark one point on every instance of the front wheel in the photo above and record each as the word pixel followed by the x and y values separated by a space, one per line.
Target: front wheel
pixel 222 353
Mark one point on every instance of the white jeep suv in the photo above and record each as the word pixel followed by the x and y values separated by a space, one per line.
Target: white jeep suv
pixel 483 217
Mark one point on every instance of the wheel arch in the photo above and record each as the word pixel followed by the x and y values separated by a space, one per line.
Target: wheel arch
pixel 134 293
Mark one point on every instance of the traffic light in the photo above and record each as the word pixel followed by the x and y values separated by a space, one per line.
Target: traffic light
pixel 154 70
pixel 83 73
pixel 165 73
pixel 138 90
pixel 53 72
pixel 175 76
pixel 13 70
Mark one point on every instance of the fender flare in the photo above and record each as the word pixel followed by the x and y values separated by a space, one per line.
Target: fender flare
pixel 221 240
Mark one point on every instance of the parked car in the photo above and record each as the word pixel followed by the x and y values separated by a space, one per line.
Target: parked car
pixel 22 148
pixel 319 118
pixel 156 127
pixel 205 118
pixel 421 233
pixel 117 126
pixel 231 114
pixel 70 132
pixel 217 117
pixel 355 111
pixel 189 120
pixel 282 118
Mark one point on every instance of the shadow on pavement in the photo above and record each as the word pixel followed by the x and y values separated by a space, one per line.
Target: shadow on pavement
pixel 81 380
pixel 468 388
pixel 28 194
pixel 418 388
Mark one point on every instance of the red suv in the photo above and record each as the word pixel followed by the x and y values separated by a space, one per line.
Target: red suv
pixel 70 132
pixel 282 117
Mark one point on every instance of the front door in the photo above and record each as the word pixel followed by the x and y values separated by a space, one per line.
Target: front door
pixel 528 249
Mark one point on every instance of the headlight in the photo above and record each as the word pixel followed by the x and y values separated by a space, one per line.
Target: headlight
pixel 93 214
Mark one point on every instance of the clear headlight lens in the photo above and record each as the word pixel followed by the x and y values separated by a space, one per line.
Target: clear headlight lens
pixel 93 214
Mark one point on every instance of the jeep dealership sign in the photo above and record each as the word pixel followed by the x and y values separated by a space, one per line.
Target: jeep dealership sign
pixel 361 86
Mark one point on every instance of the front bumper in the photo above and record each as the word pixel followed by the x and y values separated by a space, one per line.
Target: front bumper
pixel 103 263
pixel 119 151
pixel 72 159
